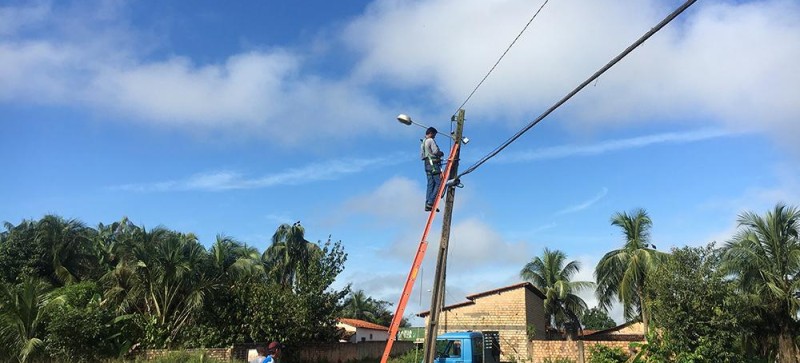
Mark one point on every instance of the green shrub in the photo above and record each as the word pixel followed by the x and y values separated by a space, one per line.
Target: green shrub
pixel 603 354
pixel 183 357
pixel 558 360
pixel 412 356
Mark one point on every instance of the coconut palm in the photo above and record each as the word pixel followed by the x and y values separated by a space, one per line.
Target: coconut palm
pixel 552 274
pixel 69 248
pixel 359 306
pixel 164 281
pixel 21 310
pixel 621 273
pixel 234 260
pixel 289 254
pixel 765 258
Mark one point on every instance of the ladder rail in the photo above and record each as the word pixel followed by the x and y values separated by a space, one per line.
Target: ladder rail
pixel 412 275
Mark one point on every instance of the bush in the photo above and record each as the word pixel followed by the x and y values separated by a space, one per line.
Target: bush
pixel 604 354
pixel 82 329
pixel 183 357
pixel 558 360
pixel 412 356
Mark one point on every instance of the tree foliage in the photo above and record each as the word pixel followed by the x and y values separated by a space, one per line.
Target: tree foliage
pixel 696 314
pixel 552 274
pixel 621 274
pixel 597 319
pixel 764 256
pixel 77 293
pixel 600 353
pixel 358 305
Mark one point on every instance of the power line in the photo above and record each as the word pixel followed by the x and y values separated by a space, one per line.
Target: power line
pixel 597 74
pixel 501 57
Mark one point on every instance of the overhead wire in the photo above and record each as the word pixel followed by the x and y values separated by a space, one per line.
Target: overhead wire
pixel 594 76
pixel 501 57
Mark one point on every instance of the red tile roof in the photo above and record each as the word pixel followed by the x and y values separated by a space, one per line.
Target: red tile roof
pixel 356 323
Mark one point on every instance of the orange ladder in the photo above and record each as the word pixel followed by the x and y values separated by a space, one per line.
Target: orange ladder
pixel 412 275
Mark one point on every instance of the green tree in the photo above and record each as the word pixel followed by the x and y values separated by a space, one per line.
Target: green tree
pixel 19 252
pixel 552 274
pixel 697 313
pixel 600 353
pixel 622 273
pixel 307 312
pixel 83 329
pixel 233 267
pixel 22 310
pixel 358 305
pixel 164 282
pixel 289 254
pixel 597 319
pixel 764 256
pixel 68 249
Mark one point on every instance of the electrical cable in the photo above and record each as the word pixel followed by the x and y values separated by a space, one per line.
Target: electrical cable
pixel 501 57
pixel 597 74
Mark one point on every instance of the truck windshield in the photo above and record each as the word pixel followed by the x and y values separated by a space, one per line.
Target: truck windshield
pixel 448 348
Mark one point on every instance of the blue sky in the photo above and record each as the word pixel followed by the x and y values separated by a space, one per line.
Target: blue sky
pixel 233 118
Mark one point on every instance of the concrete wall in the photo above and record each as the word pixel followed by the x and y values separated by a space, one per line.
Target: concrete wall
pixel 370 335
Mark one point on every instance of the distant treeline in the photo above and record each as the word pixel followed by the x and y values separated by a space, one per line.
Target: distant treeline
pixel 76 293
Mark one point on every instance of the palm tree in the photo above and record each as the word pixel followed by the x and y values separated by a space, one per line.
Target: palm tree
pixel 621 273
pixel 359 306
pixel 290 253
pixel 70 248
pixel 765 258
pixel 233 260
pixel 164 280
pixel 553 277
pixel 21 310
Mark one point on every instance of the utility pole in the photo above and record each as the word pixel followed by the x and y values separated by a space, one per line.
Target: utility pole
pixel 438 292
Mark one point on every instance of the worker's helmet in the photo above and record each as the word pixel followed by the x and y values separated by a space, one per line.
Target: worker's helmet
pixel 431 130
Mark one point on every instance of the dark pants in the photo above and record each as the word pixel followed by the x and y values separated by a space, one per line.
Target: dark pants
pixel 434 181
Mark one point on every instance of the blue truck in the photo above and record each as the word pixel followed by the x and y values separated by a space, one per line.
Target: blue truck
pixel 467 347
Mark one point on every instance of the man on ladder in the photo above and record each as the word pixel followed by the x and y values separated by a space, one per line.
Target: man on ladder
pixel 432 158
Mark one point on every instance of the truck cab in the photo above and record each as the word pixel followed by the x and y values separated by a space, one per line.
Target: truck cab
pixel 466 347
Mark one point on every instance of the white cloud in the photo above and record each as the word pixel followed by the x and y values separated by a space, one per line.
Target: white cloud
pixel 228 180
pixel 732 63
pixel 584 205
pixel 100 65
pixel 729 63
pixel 565 151
pixel 15 19
pixel 398 199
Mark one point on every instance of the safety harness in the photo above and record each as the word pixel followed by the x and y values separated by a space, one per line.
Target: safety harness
pixel 434 163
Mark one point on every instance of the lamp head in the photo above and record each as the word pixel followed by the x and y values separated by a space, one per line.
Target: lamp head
pixel 404 119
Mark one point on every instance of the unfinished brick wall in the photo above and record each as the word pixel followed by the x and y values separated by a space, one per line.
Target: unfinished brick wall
pixel 508 312
pixel 346 352
pixel 223 354
pixel 578 351
pixel 321 352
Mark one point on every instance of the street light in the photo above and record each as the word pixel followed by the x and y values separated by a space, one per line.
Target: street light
pixel 406 120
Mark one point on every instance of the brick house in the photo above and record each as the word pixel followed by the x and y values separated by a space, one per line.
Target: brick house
pixel 355 330
pixel 515 313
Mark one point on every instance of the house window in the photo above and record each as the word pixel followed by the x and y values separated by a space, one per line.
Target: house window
pixel 363 339
pixel 370 336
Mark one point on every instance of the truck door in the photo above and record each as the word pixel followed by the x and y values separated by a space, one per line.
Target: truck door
pixel 450 351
